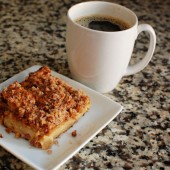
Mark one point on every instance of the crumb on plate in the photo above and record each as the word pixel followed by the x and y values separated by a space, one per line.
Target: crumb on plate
pixel 74 133
pixel 56 141
pixel 49 151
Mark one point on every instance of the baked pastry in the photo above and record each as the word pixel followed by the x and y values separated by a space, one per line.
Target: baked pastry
pixel 41 107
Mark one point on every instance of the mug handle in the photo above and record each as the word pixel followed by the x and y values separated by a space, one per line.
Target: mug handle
pixel 144 62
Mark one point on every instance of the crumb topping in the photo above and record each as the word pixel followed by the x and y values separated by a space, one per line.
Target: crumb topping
pixel 42 101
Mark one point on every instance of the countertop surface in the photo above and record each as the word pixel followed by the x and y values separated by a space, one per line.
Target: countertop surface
pixel 33 32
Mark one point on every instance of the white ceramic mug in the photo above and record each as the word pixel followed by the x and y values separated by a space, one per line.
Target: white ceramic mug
pixel 99 59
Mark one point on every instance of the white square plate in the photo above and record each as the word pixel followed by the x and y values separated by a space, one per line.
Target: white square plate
pixel 103 110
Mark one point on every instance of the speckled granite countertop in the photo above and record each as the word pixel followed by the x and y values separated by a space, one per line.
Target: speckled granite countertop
pixel 33 32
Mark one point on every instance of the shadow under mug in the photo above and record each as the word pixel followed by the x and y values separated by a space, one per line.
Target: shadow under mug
pixel 99 59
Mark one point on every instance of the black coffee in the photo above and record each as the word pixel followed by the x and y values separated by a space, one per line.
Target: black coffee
pixel 103 23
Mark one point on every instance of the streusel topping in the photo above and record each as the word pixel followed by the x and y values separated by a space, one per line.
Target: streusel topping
pixel 43 101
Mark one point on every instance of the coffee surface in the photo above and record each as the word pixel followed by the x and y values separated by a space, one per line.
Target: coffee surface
pixel 103 23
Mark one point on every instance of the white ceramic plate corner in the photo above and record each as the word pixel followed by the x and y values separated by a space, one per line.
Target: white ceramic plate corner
pixel 103 110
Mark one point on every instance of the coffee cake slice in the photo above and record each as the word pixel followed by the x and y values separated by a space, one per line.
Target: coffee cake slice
pixel 41 107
